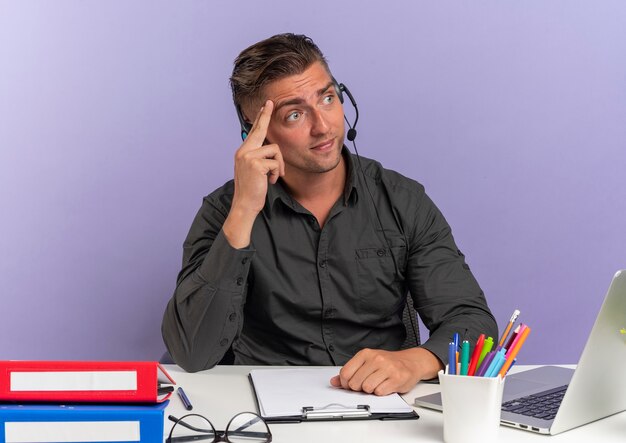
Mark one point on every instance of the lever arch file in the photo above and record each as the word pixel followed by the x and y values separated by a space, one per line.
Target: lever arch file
pixel 75 381
pixel 39 423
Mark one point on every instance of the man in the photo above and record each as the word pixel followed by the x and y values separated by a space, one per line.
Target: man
pixel 305 258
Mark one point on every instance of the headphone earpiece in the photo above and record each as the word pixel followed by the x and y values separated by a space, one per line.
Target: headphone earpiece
pixel 338 89
pixel 245 126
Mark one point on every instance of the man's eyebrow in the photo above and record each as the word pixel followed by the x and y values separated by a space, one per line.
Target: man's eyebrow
pixel 324 89
pixel 299 100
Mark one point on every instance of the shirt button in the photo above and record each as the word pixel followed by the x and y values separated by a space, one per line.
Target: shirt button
pixel 223 342
pixel 240 281
pixel 331 348
pixel 380 252
pixel 329 312
pixel 323 264
pixel 232 316
pixel 244 261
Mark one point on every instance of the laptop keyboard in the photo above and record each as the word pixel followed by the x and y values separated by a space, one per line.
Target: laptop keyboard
pixel 542 405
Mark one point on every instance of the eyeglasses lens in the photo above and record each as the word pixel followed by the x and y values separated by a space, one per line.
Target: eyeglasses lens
pixel 248 427
pixel 193 428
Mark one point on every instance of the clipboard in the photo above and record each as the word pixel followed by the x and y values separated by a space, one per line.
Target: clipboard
pixel 294 395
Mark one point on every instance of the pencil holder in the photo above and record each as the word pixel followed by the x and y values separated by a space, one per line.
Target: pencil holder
pixel 471 408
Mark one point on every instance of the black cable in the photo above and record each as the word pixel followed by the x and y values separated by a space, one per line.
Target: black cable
pixel 382 230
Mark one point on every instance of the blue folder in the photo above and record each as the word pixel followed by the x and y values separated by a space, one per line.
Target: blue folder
pixel 84 422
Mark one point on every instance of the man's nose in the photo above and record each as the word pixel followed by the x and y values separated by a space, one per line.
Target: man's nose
pixel 319 124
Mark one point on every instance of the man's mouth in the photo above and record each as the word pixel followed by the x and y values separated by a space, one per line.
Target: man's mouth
pixel 324 146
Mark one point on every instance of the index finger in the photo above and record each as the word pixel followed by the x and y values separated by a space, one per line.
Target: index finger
pixel 259 128
pixel 349 369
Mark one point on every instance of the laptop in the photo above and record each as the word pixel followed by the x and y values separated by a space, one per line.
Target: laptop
pixel 551 399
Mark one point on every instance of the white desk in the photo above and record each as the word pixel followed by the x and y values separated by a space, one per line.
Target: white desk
pixel 224 391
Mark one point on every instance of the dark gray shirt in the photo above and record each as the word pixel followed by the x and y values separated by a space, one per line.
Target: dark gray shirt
pixel 301 295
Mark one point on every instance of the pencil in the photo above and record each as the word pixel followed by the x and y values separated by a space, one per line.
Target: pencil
pixel 516 314
pixel 512 338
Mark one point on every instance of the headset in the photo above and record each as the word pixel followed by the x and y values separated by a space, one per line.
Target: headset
pixel 340 89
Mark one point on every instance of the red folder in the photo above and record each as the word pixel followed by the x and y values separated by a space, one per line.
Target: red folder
pixel 89 381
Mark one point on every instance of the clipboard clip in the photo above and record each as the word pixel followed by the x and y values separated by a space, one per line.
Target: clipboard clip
pixel 335 411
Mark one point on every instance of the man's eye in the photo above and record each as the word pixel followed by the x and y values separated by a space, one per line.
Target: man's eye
pixel 328 99
pixel 293 116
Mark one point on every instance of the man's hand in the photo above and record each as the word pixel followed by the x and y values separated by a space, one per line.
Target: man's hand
pixel 384 372
pixel 255 165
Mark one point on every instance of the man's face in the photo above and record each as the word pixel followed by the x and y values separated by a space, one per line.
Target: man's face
pixel 307 123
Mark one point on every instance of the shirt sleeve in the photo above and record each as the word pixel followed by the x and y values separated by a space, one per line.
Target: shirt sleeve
pixel 445 293
pixel 205 313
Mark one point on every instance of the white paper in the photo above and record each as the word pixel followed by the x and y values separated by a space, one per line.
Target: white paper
pixel 66 432
pixel 284 392
pixel 74 381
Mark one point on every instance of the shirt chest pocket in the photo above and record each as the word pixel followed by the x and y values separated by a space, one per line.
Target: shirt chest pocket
pixel 380 288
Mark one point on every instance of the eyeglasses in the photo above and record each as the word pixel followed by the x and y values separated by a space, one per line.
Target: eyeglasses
pixel 243 427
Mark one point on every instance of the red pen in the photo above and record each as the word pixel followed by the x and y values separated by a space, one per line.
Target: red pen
pixel 476 354
pixel 518 337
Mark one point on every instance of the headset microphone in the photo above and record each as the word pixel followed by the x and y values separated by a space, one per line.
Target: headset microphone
pixel 341 88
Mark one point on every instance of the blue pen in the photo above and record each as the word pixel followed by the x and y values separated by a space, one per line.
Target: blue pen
pixel 184 399
pixel 455 339
pixel 451 359
pixel 492 365
pixel 499 365
pixel 496 364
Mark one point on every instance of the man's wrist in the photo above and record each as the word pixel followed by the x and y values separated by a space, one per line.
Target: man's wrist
pixel 238 227
pixel 424 363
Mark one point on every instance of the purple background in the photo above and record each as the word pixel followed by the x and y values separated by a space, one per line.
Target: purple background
pixel 116 119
